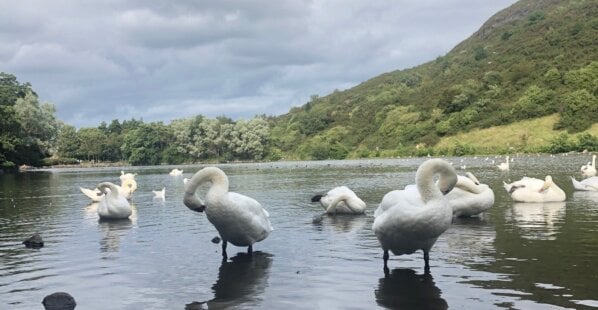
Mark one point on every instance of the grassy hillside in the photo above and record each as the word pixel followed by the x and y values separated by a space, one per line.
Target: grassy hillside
pixel 533 59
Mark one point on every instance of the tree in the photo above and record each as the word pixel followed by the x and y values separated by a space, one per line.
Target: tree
pixel 68 143
pixel 145 144
pixel 579 113
pixel 92 141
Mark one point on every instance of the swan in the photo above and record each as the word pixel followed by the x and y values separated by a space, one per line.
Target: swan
pixel 123 176
pixel 340 200
pixel 161 194
pixel 239 219
pixel 470 197
pixel 113 204
pixel 404 224
pixel 504 166
pixel 589 184
pixel 185 180
pixel 94 194
pixel 175 172
pixel 535 190
pixel 127 187
pixel 589 170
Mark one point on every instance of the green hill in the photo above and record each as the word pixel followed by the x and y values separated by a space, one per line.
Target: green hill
pixel 533 59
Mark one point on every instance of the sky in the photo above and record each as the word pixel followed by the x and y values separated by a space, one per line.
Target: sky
pixel 163 60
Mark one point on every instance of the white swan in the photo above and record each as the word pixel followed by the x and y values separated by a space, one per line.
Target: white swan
pixel 127 187
pixel 113 204
pixel 405 224
pixel 504 166
pixel 589 170
pixel 175 172
pixel 535 190
pixel 94 194
pixel 589 184
pixel 341 200
pixel 469 197
pixel 239 219
pixel 185 180
pixel 161 194
pixel 123 176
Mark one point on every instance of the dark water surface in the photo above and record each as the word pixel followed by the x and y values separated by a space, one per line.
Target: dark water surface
pixel 522 256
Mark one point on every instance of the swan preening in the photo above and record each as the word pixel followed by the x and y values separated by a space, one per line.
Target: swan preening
pixel 589 170
pixel 470 197
pixel 175 172
pixel 589 184
pixel 113 204
pixel 404 224
pixel 161 194
pixel 504 166
pixel 239 219
pixel 341 200
pixel 535 190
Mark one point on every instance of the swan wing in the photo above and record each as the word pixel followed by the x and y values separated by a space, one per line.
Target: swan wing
pixel 94 194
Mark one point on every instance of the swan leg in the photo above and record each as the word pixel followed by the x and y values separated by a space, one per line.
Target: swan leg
pixel 250 250
pixel 385 257
pixel 224 256
pixel 427 260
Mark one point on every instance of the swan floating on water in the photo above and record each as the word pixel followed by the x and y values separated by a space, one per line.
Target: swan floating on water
pixel 589 170
pixel 161 194
pixel 239 219
pixel 406 223
pixel 470 197
pixel 589 184
pixel 113 204
pixel 535 190
pixel 504 166
pixel 175 172
pixel 340 200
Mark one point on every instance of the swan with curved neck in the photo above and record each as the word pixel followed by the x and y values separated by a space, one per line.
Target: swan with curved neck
pixel 589 184
pixel 535 190
pixel 113 204
pixel 504 166
pixel 239 219
pixel 589 170
pixel 404 224
pixel 470 197
pixel 341 200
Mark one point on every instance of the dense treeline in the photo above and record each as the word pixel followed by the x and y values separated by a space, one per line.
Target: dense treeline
pixel 30 134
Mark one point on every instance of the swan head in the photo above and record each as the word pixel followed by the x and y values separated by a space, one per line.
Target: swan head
pixel 316 198
pixel 424 178
pixel 547 184
pixel 108 188
pixel 472 177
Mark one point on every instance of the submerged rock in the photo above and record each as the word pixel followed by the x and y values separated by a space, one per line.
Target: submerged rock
pixel 216 240
pixel 35 241
pixel 196 305
pixel 59 301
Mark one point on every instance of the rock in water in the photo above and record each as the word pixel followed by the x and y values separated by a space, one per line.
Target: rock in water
pixel 59 301
pixel 196 305
pixel 34 241
pixel 216 240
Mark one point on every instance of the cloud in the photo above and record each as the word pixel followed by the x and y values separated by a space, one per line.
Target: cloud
pixel 157 60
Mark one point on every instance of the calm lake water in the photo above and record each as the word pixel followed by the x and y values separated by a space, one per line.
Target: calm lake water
pixel 522 256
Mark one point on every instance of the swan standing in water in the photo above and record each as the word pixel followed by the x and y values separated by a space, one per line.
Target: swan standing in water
pixel 469 197
pixel 504 166
pixel 239 219
pixel 589 170
pixel 589 184
pixel 340 200
pixel 113 204
pixel 535 190
pixel 404 223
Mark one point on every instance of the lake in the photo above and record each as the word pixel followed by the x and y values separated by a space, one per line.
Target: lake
pixel 516 256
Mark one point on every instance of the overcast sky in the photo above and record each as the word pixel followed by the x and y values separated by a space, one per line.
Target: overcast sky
pixel 164 60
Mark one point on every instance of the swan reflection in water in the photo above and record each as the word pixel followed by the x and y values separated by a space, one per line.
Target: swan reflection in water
pixel 341 222
pixel 404 289
pixel 469 239
pixel 112 232
pixel 241 281
pixel 538 220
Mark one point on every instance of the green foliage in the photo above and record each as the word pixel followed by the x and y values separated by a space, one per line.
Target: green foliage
pixel 145 144
pixel 566 143
pixel 579 113
pixel 535 102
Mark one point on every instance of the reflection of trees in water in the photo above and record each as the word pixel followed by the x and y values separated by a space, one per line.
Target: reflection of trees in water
pixel 112 232
pixel 538 220
pixel 404 289
pixel 242 280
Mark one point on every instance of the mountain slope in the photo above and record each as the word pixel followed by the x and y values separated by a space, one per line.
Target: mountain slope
pixel 530 60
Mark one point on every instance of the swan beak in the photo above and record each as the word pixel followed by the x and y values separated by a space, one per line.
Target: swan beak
pixel 446 191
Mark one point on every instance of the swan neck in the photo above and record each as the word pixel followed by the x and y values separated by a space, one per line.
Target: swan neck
pixel 209 174
pixel 424 178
